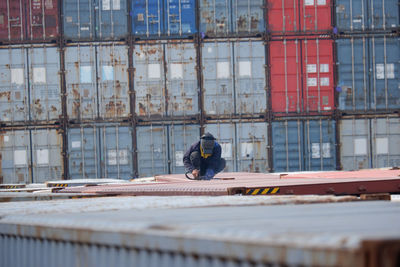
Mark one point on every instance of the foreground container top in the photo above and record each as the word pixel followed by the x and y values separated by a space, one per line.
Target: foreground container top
pixel 367 15
pixel 26 20
pixel 368 73
pixel 299 16
pixel 163 19
pixel 100 151
pixel 30 156
pixel 95 20
pixel 369 143
pixel 30 84
pixel 307 145
pixel 302 76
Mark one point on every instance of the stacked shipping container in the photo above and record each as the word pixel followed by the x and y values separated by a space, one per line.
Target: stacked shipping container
pixel 121 89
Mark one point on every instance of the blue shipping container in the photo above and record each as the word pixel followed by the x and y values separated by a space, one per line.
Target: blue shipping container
pixel 95 20
pixel 368 73
pixel 163 18
pixel 101 151
pixel 364 15
pixel 304 145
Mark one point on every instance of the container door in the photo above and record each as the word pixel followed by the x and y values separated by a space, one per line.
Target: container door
pixel 286 74
pixel 248 17
pixel 117 152
pixel 83 153
pixel 283 16
pixel 45 87
pixel 353 74
pixel 111 19
pixel 320 145
pixel 79 19
pixel 215 18
pixel 15 157
pixel 287 140
pixel 354 147
pixel 218 78
pixel 46 155
pixel 42 19
pixel 385 65
pixel 351 15
pixel 12 20
pixel 384 14
pixel 315 15
pixel 14 97
pixel 149 80
pixel 181 137
pixel 81 82
pixel 180 17
pixel 385 142
pixel 152 151
pixel 226 137
pixel 113 85
pixel 252 140
pixel 318 93
pixel 251 97
pixel 181 80
pixel 147 17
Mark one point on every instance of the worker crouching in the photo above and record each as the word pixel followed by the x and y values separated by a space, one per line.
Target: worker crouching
pixel 203 158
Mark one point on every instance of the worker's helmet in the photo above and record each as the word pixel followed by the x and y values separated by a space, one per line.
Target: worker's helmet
pixel 207 142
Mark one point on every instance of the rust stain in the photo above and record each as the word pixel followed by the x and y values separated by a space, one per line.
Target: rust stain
pixel 115 108
pixel 6 94
pixel 38 107
pixel 254 23
pixel 118 88
pixel 53 108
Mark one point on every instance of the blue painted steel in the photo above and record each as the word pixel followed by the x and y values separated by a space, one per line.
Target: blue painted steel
pixel 100 152
pixel 385 65
pixel 304 145
pixel 92 20
pixel 215 17
pixel 163 18
pixel 375 15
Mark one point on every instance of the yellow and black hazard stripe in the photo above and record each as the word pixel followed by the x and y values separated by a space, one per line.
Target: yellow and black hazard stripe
pixel 57 185
pixel 10 187
pixel 262 191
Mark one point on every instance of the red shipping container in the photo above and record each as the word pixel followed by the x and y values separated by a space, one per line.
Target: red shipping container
pixel 302 76
pixel 295 16
pixel 29 20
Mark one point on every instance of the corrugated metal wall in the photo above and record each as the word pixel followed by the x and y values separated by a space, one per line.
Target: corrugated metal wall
pixel 123 88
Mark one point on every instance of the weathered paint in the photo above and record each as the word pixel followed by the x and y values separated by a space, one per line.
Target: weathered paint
pixel 97 81
pixel 95 20
pixel 368 73
pixel 234 77
pixel 161 148
pixel 307 145
pixel 369 143
pixel 30 84
pixel 239 17
pixel 101 151
pixel 375 15
pixel 165 79
pixel 158 18
pixel 29 20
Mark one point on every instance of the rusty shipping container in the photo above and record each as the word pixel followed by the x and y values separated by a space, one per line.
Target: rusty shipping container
pixel 29 20
pixel 160 148
pixel 100 151
pixel 86 20
pixel 244 145
pixel 368 74
pixel 302 76
pixel 369 143
pixel 234 78
pixel 30 156
pixel 299 16
pixel 304 145
pixel 29 84
pixel 97 82
pixel 220 18
pixel 165 79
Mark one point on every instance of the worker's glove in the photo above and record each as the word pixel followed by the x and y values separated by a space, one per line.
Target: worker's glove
pixel 209 174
